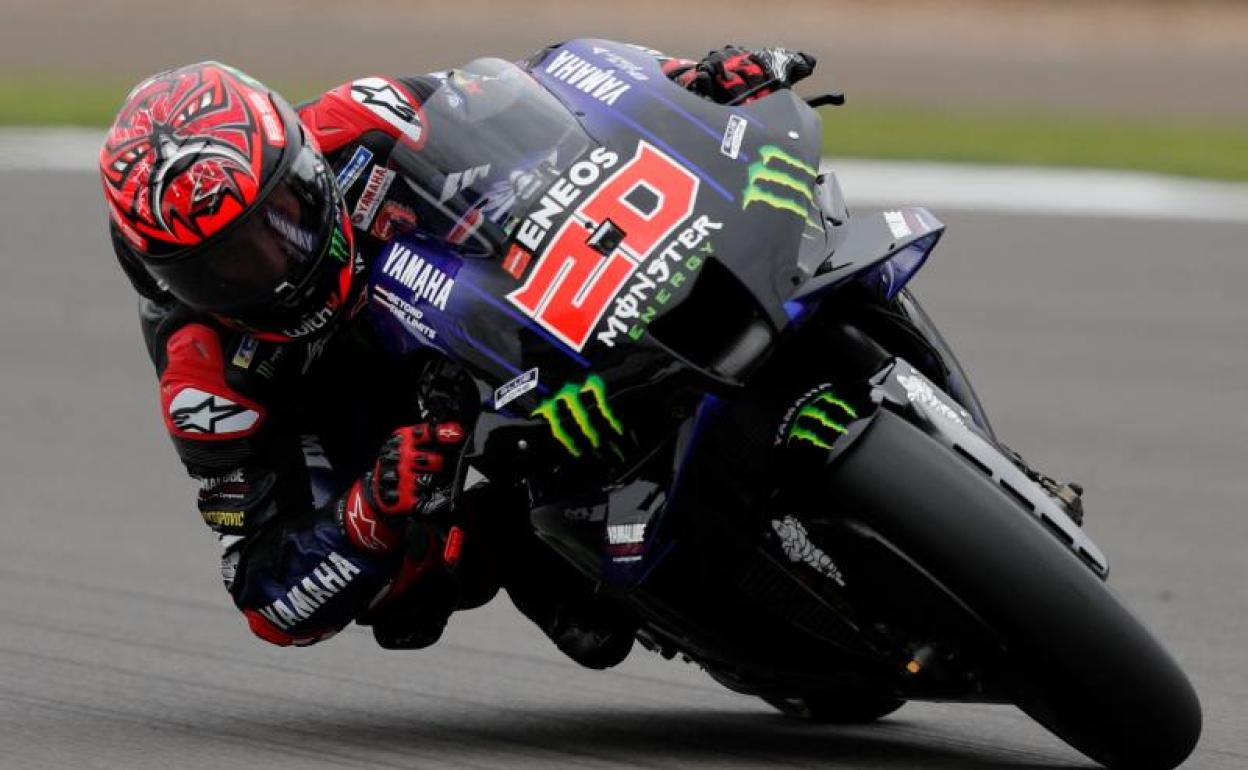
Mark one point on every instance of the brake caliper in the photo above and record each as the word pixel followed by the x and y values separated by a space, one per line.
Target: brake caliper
pixel 1070 494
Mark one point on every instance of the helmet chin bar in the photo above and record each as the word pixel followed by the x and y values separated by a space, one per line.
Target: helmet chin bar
pixel 309 324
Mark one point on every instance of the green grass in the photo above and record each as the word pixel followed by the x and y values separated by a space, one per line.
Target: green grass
pixel 1208 149
pixel 57 102
pixel 1200 149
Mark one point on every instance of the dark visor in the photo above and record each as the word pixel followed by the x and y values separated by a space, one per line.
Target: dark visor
pixel 266 262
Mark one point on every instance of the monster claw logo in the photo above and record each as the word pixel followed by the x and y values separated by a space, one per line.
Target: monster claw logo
pixel 779 180
pixel 590 417
pixel 186 153
pixel 820 419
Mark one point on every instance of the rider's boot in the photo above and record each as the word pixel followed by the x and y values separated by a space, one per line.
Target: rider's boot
pixel 593 634
pixel 587 627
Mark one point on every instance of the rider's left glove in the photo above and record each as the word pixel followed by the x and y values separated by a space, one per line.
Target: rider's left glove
pixel 409 478
pixel 734 75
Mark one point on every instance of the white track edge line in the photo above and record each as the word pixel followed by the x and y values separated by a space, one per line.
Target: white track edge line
pixel 991 189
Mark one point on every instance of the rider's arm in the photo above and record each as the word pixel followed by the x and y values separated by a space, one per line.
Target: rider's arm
pixel 299 572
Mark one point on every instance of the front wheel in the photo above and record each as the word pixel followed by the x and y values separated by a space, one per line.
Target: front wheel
pixel 837 709
pixel 1078 661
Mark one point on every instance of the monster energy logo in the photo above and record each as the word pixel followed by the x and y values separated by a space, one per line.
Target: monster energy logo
pixel 338 246
pixel 818 421
pixel 783 182
pixel 591 416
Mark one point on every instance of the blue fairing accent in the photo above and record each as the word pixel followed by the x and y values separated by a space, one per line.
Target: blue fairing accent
pixel 891 276
pixel 312 580
pixel 590 74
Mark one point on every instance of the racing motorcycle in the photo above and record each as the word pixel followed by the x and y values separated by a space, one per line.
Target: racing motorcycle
pixel 724 407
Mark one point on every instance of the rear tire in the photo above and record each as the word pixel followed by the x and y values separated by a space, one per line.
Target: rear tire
pixel 1084 667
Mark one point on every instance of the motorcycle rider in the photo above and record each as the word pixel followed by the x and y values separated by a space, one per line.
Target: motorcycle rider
pixel 246 227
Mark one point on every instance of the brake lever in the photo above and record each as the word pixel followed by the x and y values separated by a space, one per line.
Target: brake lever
pixel 834 99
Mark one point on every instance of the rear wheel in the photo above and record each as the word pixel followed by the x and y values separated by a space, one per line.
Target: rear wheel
pixel 1077 661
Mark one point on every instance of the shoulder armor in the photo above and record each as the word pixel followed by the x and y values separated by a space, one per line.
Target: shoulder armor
pixel 342 115
pixel 196 401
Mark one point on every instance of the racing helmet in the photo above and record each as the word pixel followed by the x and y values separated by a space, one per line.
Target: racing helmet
pixel 223 196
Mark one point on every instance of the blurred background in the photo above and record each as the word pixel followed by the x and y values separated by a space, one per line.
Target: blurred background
pixel 1106 340
pixel 1145 84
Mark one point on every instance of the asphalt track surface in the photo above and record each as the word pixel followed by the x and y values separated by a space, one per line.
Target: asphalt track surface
pixel 1111 352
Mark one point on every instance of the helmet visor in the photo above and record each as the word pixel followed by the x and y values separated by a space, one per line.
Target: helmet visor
pixel 266 264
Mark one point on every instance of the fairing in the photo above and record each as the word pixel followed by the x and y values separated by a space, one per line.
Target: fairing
pixel 602 221
pixel 626 312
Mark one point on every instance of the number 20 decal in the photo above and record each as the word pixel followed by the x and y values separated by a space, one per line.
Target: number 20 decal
pixel 573 282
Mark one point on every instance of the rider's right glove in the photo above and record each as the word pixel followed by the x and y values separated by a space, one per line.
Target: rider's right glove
pixel 409 479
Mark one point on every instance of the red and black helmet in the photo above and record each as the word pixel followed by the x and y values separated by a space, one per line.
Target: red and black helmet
pixel 225 199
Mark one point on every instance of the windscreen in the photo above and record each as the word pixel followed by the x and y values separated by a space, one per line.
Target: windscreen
pixel 496 140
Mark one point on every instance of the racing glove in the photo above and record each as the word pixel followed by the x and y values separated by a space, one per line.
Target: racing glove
pixel 409 478
pixel 734 75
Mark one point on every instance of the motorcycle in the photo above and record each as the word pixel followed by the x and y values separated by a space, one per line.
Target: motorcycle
pixel 726 410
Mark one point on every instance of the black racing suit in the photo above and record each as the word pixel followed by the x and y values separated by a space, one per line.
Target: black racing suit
pixel 275 432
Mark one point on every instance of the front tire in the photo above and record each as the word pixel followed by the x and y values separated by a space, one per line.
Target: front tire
pixel 1084 667
pixel 839 709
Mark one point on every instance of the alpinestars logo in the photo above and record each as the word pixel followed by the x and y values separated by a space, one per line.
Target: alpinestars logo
pixel 782 181
pixel 383 95
pixel 196 411
pixel 391 104
pixel 819 419
pixel 362 526
pixel 580 418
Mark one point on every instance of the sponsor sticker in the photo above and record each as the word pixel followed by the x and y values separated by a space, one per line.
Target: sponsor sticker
pixel 314 322
pixel 919 391
pixel 600 83
pixel 375 189
pixel 593 422
pixel 797 547
pixel 517 261
pixel 466 227
pixel 224 519
pixel 584 264
pixel 419 282
pixel 408 314
pixel 816 419
pixel 394 219
pixel 897 224
pixel 626 542
pixel 563 193
pixel 509 391
pixel 653 287
pixel 458 181
pixel 626 65
pixel 783 182
pixel 734 134
pixel 246 351
pixel 268 119
pixel 351 172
